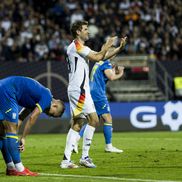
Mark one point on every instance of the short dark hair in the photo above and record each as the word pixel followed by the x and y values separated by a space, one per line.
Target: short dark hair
pixel 61 108
pixel 77 26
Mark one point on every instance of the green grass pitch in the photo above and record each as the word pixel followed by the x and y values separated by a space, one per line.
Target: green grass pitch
pixel 147 157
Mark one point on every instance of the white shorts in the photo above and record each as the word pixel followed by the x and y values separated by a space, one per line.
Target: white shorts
pixel 80 103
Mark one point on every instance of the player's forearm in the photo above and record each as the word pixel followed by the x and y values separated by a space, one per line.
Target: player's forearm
pixel 106 54
pixel 19 124
pixel 117 76
pixel 102 54
pixel 98 56
pixel 31 121
pixel 27 129
pixel 110 54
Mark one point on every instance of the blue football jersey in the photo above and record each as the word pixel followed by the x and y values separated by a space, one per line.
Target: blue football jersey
pixel 98 80
pixel 26 92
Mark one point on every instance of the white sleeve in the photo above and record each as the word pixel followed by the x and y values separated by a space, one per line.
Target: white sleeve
pixel 84 51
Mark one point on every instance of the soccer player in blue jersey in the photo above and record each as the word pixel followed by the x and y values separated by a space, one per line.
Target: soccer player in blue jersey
pixel 101 73
pixel 18 91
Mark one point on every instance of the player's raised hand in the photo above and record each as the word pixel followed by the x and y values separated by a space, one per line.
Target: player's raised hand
pixel 110 42
pixel 123 42
pixel 119 70
pixel 22 145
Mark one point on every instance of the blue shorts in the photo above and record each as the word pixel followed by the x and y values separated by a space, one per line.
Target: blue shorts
pixel 8 106
pixel 102 107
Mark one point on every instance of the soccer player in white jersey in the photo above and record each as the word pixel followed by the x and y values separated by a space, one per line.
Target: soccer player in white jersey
pixel 101 73
pixel 81 104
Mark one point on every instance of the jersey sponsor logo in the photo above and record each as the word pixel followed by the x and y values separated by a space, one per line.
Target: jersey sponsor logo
pixel 13 115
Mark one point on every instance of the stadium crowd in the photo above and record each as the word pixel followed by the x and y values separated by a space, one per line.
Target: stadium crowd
pixel 35 30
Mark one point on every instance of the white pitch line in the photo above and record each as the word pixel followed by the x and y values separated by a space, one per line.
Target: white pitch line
pixel 105 177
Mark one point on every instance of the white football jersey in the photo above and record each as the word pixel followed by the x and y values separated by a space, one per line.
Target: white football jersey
pixel 78 66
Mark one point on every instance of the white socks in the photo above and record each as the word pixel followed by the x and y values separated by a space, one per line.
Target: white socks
pixel 10 165
pixel 87 140
pixel 19 167
pixel 109 145
pixel 78 138
pixel 70 143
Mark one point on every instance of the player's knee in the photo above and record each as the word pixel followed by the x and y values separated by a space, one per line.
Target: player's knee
pixel 76 127
pixel 77 124
pixel 108 122
pixel 107 118
pixel 94 121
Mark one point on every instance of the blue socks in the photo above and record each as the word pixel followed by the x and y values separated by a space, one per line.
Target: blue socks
pixel 108 132
pixel 5 151
pixel 13 143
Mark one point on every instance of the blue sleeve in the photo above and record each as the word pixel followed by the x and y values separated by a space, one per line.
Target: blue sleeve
pixel 106 65
pixel 45 101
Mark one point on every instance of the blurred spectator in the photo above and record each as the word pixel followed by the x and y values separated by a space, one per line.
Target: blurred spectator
pixel 34 30
pixel 77 15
